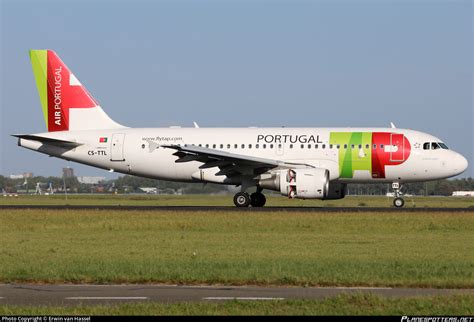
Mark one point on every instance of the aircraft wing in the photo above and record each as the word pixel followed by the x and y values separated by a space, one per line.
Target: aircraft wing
pixel 229 163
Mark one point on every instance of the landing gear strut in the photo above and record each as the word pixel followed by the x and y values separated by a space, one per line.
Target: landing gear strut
pixel 398 202
pixel 256 199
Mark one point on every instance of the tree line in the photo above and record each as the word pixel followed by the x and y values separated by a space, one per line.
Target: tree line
pixel 132 184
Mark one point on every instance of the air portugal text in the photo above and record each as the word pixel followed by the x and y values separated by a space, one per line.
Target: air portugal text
pixel 57 95
pixel 288 138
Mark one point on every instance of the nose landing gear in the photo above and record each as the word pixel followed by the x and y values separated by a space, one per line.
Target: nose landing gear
pixel 398 202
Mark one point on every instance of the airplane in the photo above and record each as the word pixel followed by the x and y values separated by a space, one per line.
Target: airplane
pixel 303 163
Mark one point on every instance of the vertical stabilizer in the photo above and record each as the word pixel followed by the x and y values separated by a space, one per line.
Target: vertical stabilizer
pixel 66 103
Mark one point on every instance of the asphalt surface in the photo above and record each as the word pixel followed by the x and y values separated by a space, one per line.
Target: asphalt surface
pixel 60 295
pixel 234 209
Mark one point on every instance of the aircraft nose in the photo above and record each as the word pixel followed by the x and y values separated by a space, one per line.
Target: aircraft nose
pixel 459 164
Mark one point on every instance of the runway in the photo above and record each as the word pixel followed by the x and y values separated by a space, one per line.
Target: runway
pixel 29 294
pixel 235 209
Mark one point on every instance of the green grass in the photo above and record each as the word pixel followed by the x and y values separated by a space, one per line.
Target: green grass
pixel 339 305
pixel 284 248
pixel 226 200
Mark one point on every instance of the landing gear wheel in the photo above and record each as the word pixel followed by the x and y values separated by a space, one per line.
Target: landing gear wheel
pixel 242 199
pixel 257 199
pixel 398 202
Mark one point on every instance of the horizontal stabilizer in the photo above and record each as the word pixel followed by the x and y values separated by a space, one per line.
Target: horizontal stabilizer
pixel 42 139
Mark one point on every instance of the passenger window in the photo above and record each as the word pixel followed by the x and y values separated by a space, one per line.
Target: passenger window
pixel 360 146
pixel 375 146
pixel 309 146
pixel 302 146
pixel 330 146
pixel 250 146
pixel 279 146
pixel 315 146
pixel 345 146
pixel 243 146
pixel 207 145
pixel 271 146
pixel 228 146
pixel 381 146
pixel 352 146
pixel 256 146
pixel 323 146
pixel 264 146
pixel 213 146
pixel 426 146
pixel 366 146
pixel 235 146
pixel 291 146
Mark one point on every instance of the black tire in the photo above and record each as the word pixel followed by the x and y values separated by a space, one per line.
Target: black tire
pixel 257 199
pixel 398 202
pixel 242 199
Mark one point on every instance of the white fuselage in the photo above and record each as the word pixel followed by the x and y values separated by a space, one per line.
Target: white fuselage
pixel 140 152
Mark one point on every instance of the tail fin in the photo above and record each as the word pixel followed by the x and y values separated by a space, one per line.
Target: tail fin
pixel 67 105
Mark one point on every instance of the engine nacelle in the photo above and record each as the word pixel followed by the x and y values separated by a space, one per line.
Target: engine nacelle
pixel 298 183
pixel 336 191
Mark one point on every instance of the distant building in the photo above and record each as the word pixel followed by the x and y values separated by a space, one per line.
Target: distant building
pixel 68 172
pixel 463 194
pixel 24 175
pixel 27 174
pixel 90 180
pixel 16 176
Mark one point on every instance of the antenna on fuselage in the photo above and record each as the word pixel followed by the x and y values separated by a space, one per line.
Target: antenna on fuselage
pixel 392 125
pixel 196 125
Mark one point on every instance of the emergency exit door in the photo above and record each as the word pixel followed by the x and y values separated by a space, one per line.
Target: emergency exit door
pixel 397 150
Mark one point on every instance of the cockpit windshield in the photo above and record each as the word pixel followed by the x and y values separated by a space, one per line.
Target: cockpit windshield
pixel 434 146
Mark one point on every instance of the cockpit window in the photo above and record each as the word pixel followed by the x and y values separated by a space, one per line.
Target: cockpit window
pixel 443 146
pixel 426 146
pixel 435 146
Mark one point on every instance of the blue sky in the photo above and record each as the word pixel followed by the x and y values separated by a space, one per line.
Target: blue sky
pixel 245 63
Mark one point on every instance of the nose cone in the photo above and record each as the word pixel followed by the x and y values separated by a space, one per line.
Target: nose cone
pixel 459 164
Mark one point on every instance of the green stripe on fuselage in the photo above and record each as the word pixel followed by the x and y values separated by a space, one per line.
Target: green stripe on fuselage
pixel 351 159
pixel 39 61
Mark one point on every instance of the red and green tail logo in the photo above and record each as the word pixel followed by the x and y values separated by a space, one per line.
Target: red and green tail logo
pixel 58 88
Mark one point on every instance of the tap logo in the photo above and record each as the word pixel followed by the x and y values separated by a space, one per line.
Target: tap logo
pixel 369 151
pixel 58 88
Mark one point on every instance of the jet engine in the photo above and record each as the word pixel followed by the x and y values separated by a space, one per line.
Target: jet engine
pixel 298 183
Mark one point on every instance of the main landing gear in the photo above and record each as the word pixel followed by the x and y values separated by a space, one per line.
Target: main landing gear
pixel 256 199
pixel 398 202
